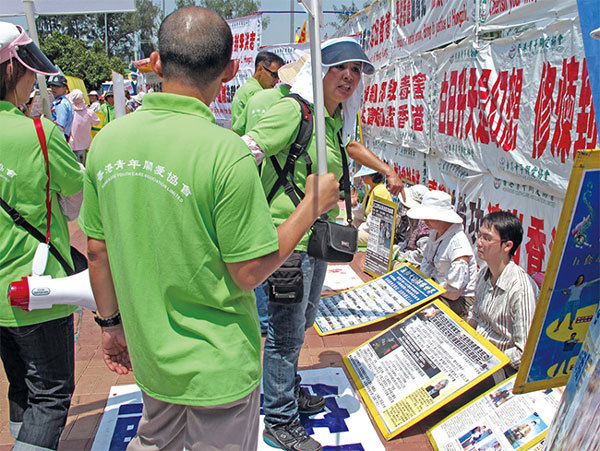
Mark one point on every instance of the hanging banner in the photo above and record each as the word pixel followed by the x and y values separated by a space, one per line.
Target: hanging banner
pixel 526 121
pixel 504 13
pixel 378 33
pixel 577 423
pixel 288 52
pixel 418 365
pixel 420 25
pixel 569 294
pixel 393 294
pixel 498 420
pixel 409 164
pixel 247 35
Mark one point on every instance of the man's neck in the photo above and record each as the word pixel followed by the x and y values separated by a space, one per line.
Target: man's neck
pixel 496 268
pixel 205 95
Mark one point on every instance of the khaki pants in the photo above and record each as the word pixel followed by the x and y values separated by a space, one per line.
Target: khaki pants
pixel 227 427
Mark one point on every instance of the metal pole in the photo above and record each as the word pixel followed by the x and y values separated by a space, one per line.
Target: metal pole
pixel 314 28
pixel 28 7
pixel 106 32
pixel 292 37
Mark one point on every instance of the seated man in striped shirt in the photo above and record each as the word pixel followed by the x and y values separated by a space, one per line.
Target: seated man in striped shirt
pixel 505 295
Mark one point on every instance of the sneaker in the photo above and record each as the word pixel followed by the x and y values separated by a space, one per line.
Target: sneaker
pixel 308 403
pixel 291 437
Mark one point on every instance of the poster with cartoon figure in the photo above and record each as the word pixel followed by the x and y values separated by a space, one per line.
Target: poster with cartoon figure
pixel 571 288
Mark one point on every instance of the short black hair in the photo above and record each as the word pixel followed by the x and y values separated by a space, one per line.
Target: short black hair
pixel 194 43
pixel 9 82
pixel 268 58
pixel 377 177
pixel 508 226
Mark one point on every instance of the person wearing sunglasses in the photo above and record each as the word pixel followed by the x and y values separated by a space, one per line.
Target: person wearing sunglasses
pixel 36 346
pixel 265 76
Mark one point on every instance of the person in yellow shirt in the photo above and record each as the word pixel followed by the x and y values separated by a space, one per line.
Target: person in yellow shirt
pixel 376 188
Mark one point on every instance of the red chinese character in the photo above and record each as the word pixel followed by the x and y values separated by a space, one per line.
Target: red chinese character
pixel 402 115
pixel 587 131
pixel 241 47
pixel 433 185
pixel 382 91
pixel 366 94
pixel 252 40
pixel 492 208
pixel 419 85
pixel 484 97
pixel 471 103
pixel 388 18
pixel 402 12
pixel 392 87
pixel 391 116
pixel 373 94
pixel 451 103
pixel 443 106
pixel 371 117
pixel 374 33
pixel 417 115
pixel 247 41
pixel 236 42
pixel 535 245
pixel 565 110
pixel 543 110
pixel 404 87
pixel 461 102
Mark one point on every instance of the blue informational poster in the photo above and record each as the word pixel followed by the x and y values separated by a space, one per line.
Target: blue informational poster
pixel 569 294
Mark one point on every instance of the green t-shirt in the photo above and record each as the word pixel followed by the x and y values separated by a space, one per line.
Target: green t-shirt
pixel 275 132
pixel 257 105
pixel 23 186
pixel 241 96
pixel 174 205
pixel 109 112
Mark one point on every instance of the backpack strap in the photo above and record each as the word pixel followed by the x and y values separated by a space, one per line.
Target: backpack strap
pixel 297 150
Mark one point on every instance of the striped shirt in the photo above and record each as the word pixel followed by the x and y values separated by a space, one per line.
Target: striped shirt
pixel 503 313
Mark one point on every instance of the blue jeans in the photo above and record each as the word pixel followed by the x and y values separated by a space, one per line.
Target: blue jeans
pixel 285 337
pixel 39 363
pixel 262 299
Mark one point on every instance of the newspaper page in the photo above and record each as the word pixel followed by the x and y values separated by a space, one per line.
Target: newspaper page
pixel 577 423
pixel 340 277
pixel 416 366
pixel 498 420
pixel 393 294
pixel 382 224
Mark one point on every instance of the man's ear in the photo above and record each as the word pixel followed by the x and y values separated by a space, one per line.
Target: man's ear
pixel 156 64
pixel 230 71
pixel 508 245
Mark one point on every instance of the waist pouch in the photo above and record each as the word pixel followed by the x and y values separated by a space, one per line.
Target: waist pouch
pixel 286 284
pixel 333 242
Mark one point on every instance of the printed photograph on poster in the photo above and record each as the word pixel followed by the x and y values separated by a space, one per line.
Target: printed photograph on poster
pixel 569 293
pixel 418 365
pixel 382 224
pixel 341 277
pixel 498 420
pixel 392 294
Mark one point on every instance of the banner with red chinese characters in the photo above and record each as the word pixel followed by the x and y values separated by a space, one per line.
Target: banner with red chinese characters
pixel 519 107
pixel 289 52
pixel 422 25
pixel 247 34
pixel 396 105
pixel 408 163
pixel 510 13
pixel 378 33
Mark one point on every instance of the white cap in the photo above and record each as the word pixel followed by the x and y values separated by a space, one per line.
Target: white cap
pixel 436 205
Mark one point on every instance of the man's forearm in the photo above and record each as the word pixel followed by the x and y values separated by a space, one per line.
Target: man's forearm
pixel 101 278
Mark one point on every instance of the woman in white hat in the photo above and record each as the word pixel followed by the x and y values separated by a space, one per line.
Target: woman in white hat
pixel 412 237
pixel 36 346
pixel 448 257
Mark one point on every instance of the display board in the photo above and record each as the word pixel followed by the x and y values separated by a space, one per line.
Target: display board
pixel 498 420
pixel 382 224
pixel 392 294
pixel 569 293
pixel 418 365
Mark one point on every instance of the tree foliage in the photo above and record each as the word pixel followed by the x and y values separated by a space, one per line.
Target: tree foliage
pixel 229 9
pixel 342 18
pixel 74 57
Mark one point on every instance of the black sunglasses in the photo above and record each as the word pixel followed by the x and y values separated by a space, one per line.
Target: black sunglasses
pixel 274 74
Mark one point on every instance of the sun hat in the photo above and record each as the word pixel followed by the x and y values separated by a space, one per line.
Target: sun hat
pixel 93 93
pixel 595 33
pixel 76 98
pixel 414 195
pixel 364 171
pixel 344 50
pixel 139 97
pixel 287 73
pixel 436 205
pixel 14 43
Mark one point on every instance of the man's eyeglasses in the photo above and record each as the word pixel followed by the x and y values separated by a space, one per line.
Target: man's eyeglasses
pixel 274 74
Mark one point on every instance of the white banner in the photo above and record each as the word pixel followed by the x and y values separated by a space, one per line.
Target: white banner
pixel 247 35
pixel 408 163
pixel 51 7
pixel 289 52
pixel 524 122
pixel 508 13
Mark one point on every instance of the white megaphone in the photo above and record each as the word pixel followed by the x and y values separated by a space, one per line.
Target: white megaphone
pixel 41 292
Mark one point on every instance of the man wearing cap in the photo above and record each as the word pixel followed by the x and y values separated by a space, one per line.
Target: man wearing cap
pixel 62 109
pixel 108 107
pixel 448 257
pixel 94 102
pixel 182 279
pixel 36 346
pixel 265 76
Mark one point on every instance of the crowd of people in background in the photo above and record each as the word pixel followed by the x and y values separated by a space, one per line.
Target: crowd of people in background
pixel 213 219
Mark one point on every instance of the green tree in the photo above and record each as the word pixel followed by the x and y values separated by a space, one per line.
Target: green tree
pixel 229 9
pixel 75 58
pixel 341 18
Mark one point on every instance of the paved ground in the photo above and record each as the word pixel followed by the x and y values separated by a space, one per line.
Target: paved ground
pixel 93 379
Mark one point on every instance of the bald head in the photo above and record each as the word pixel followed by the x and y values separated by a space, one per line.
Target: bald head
pixel 194 44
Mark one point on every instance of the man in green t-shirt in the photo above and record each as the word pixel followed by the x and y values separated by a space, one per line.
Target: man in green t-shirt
pixel 265 76
pixel 179 233
pixel 108 107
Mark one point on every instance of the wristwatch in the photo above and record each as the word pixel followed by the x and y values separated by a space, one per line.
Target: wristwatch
pixel 113 320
